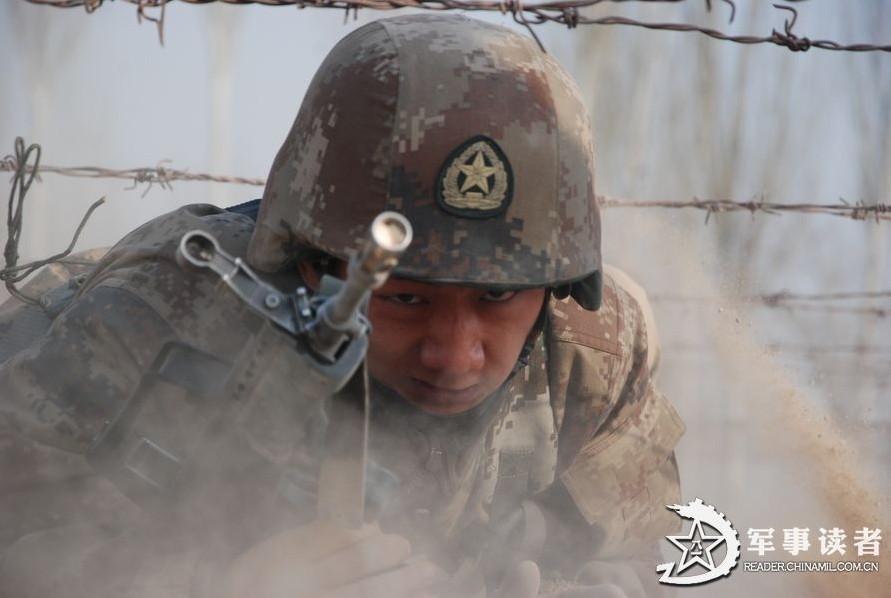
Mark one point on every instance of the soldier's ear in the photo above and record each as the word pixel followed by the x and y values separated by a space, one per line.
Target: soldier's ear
pixel 311 271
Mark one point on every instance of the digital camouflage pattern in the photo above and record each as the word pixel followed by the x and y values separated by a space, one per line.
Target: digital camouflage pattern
pixel 617 449
pixel 482 142
pixel 466 128
pixel 581 428
pixel 54 285
pixel 61 394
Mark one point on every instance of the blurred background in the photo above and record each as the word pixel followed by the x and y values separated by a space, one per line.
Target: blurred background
pixel 787 402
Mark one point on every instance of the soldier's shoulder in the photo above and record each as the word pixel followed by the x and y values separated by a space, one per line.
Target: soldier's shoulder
pixel 232 229
pixel 612 328
pixel 158 239
pixel 143 263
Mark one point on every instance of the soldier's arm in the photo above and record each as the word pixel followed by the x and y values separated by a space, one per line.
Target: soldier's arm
pixel 61 521
pixel 68 532
pixel 617 468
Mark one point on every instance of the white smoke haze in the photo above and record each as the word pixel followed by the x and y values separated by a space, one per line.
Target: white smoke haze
pixel 788 412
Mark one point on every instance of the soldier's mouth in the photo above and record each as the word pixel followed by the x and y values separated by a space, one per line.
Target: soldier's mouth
pixel 442 399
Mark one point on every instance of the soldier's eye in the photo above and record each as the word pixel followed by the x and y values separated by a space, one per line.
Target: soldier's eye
pixel 403 299
pixel 499 295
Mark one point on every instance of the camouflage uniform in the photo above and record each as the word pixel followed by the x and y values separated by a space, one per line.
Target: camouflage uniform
pixel 579 427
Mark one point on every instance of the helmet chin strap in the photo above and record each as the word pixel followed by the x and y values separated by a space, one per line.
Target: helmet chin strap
pixel 537 328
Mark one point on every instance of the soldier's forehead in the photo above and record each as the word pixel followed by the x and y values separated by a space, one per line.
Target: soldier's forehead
pixel 405 281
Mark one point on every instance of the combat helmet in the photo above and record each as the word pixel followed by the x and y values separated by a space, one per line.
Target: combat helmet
pixel 466 128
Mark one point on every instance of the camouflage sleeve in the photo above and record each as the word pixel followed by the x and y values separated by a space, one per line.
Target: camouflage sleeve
pixel 616 463
pixel 76 377
pixel 64 530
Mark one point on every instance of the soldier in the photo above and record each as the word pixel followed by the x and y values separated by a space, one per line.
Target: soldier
pixel 511 393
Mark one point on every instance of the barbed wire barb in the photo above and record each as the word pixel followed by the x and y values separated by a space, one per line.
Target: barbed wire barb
pixel 858 211
pixel 836 303
pixel 24 175
pixel 160 175
pixel 164 177
pixel 141 14
pixel 781 348
pixel 564 12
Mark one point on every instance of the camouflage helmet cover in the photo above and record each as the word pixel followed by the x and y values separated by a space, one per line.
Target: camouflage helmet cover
pixel 467 129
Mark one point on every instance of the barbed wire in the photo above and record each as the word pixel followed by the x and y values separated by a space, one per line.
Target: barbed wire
pixel 816 302
pixel 877 312
pixel 25 175
pixel 855 211
pixel 773 299
pixel 159 175
pixel 164 177
pixel 781 348
pixel 563 12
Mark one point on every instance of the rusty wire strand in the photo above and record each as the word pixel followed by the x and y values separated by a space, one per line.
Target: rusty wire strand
pixel 780 297
pixel 880 211
pixel 563 12
pixel 164 177
pixel 857 349
pixel 141 14
pixel 158 175
pixel 24 175
pixel 875 312
pixel 21 183
pixel 815 302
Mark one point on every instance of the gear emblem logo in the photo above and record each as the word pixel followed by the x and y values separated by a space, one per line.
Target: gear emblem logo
pixel 476 181
pixel 710 536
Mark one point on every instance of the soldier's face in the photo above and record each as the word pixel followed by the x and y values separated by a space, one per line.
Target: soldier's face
pixel 444 347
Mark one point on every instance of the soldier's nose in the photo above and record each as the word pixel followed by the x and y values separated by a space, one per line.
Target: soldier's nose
pixel 453 344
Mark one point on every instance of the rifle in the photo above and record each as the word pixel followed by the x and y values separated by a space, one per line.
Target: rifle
pixel 330 335
pixel 151 464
